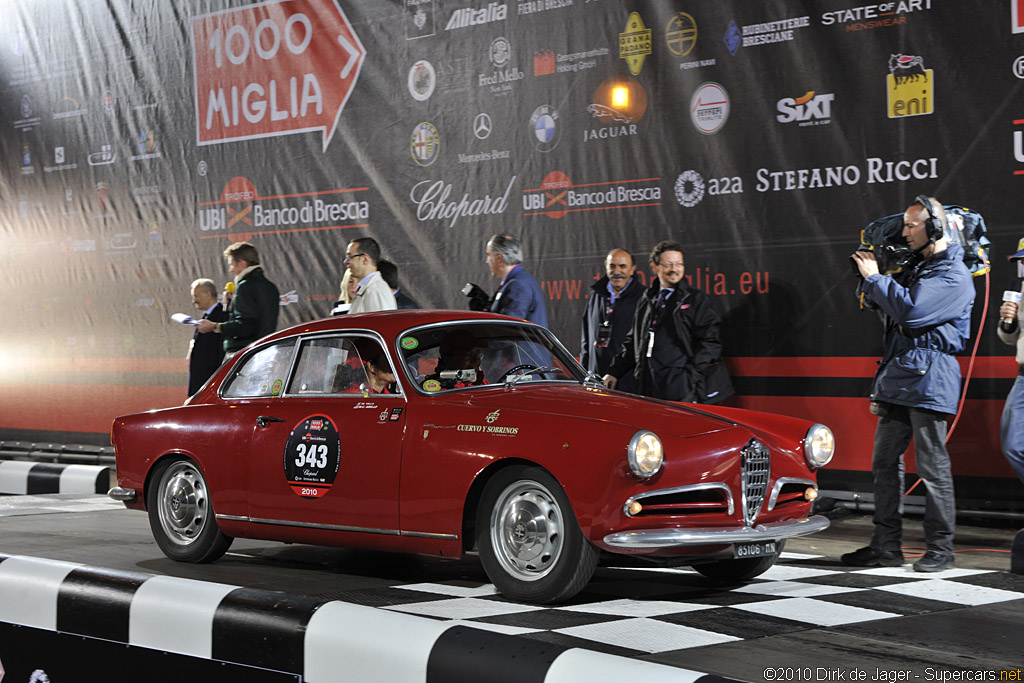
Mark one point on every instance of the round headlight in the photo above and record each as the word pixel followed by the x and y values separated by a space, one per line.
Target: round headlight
pixel 645 454
pixel 819 446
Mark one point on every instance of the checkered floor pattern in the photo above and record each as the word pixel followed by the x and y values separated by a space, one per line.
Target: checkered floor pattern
pixel 633 612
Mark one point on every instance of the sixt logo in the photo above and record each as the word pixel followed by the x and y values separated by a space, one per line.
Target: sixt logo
pixel 808 110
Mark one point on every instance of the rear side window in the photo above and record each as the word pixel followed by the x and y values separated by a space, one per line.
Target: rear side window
pixel 263 373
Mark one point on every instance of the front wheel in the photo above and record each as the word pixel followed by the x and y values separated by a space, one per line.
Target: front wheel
pixel 737 571
pixel 181 514
pixel 530 543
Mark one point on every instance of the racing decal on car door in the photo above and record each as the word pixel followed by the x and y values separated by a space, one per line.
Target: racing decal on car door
pixel 312 456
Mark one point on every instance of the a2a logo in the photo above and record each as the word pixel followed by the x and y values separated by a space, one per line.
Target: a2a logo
pixel 808 110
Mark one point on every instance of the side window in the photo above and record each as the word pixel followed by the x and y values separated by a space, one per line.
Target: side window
pixel 327 366
pixel 263 373
pixel 342 365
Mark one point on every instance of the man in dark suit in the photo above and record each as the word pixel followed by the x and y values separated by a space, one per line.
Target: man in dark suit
pixel 609 314
pixel 674 337
pixel 389 271
pixel 519 294
pixel 205 352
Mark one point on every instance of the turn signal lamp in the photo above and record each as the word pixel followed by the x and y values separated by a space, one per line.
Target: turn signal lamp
pixel 635 508
pixel 811 494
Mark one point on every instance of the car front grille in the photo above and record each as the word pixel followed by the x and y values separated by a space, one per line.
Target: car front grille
pixel 755 468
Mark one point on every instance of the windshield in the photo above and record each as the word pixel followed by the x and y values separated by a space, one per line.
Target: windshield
pixel 449 356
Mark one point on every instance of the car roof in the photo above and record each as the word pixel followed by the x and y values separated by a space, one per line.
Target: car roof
pixel 388 323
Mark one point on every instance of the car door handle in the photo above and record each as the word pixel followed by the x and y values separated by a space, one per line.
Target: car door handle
pixel 262 420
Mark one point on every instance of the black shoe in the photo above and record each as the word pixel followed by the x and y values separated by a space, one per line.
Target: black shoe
pixel 934 561
pixel 869 557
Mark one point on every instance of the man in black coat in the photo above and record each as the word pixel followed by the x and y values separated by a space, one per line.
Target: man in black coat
pixel 252 313
pixel 205 352
pixel 674 338
pixel 609 315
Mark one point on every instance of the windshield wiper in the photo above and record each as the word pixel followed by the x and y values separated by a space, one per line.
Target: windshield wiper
pixel 512 380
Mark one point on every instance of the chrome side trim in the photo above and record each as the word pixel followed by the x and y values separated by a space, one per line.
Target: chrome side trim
pixel 671 538
pixel 782 481
pixel 682 489
pixel 339 527
pixel 123 495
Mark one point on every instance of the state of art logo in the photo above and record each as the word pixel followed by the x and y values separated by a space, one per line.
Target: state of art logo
pixel 425 144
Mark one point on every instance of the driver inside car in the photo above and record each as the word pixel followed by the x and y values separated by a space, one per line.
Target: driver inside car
pixel 458 363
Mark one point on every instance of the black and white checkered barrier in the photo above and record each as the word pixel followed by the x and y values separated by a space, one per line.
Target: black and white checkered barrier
pixel 24 477
pixel 324 642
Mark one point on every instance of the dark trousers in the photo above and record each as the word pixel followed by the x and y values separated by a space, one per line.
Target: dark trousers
pixel 892 437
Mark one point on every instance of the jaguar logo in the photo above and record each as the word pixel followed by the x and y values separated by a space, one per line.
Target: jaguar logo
pixel 493 417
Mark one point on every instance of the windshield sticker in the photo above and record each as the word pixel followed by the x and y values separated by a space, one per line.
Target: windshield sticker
pixel 432 385
pixel 410 343
pixel 276 389
pixel 312 456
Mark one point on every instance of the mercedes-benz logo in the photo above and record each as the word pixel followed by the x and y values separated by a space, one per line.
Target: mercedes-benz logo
pixel 482 126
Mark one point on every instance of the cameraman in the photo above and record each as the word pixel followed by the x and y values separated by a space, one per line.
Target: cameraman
pixel 926 313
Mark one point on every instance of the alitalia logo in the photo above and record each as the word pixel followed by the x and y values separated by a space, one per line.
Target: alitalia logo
pixel 467 16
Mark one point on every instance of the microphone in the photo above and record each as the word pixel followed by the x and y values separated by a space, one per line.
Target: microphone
pixel 1010 295
pixel 229 292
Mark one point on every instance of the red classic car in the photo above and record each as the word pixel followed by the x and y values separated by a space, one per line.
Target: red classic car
pixel 444 432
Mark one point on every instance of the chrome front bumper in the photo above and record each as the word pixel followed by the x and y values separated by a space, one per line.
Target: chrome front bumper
pixel 671 538
pixel 123 495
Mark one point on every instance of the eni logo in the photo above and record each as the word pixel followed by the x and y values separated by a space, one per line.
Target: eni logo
pixel 493 417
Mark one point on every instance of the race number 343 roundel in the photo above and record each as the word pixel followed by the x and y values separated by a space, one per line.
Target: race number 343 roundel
pixel 312 456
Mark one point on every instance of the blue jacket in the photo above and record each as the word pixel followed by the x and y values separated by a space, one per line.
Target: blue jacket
pixel 927 318
pixel 521 297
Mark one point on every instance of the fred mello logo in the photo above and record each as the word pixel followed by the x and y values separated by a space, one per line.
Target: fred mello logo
pixel 910 88
pixel 504 73
pixel 808 110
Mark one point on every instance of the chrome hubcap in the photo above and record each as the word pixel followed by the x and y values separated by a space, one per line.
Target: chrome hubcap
pixel 183 503
pixel 526 530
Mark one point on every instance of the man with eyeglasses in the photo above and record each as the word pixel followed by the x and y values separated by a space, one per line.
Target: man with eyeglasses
pixel 373 293
pixel 674 338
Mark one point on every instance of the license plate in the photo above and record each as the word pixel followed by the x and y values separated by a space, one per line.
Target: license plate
pixel 762 549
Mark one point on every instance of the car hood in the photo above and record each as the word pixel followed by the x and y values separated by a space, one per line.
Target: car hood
pixel 599 405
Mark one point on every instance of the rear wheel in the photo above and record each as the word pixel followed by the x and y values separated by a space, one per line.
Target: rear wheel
pixel 530 543
pixel 181 514
pixel 735 571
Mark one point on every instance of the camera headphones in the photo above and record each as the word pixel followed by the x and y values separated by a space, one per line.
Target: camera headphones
pixel 933 227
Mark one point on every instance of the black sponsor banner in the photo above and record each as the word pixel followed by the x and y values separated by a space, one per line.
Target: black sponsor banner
pixel 31 654
pixel 136 146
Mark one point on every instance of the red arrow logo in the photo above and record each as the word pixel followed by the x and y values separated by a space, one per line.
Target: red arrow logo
pixel 274 68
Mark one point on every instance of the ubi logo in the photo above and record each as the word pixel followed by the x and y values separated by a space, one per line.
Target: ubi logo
pixel 235 206
pixel 551 198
